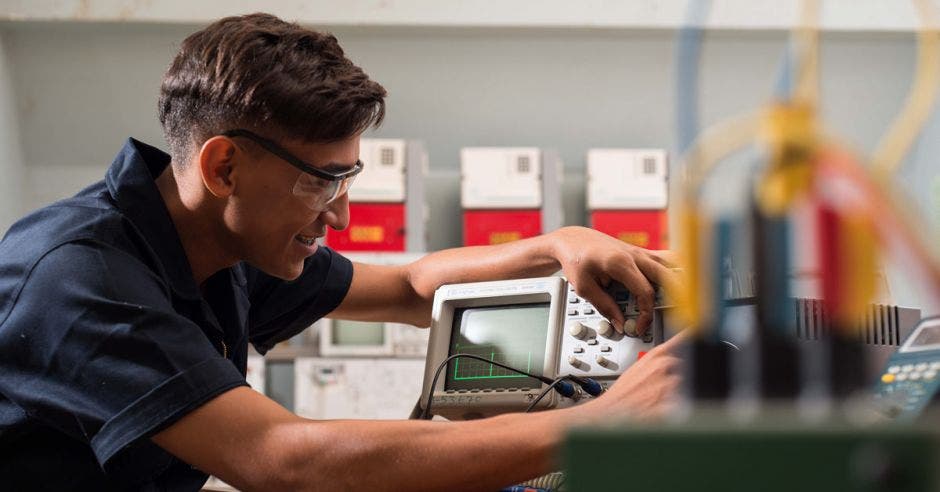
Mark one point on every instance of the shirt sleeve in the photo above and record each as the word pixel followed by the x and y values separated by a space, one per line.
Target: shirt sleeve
pixel 281 309
pixel 94 348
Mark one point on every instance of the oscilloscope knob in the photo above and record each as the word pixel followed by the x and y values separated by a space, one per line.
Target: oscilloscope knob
pixel 577 329
pixel 629 328
pixel 605 329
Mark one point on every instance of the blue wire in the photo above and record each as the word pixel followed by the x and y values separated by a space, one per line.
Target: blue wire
pixel 784 89
pixel 688 55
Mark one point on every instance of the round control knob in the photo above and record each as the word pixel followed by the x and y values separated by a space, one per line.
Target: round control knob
pixel 629 327
pixel 574 361
pixel 604 329
pixel 577 329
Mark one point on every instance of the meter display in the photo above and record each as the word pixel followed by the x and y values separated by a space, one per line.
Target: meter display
pixel 513 335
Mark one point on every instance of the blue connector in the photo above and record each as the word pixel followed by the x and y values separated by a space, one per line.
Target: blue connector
pixel 591 387
pixel 564 388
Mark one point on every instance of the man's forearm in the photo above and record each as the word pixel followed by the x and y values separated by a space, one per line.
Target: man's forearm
pixel 422 455
pixel 532 257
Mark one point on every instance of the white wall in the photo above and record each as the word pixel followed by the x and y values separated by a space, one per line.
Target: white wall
pixel 81 88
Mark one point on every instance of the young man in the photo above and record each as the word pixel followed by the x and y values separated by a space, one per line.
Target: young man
pixel 127 310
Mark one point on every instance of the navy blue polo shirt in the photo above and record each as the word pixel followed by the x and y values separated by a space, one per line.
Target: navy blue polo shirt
pixel 105 338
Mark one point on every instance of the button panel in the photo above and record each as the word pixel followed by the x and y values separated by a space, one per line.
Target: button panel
pixel 596 345
pixel 908 384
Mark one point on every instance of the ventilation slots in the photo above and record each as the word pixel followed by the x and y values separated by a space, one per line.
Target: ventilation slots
pixel 387 156
pixel 880 325
pixel 522 164
pixel 649 165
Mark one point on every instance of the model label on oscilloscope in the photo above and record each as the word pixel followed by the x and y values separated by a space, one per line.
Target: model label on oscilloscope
pixel 461 399
pixel 479 291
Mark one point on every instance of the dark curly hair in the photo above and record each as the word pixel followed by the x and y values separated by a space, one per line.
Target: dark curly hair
pixel 261 73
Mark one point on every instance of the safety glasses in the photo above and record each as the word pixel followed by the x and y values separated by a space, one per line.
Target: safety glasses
pixel 315 187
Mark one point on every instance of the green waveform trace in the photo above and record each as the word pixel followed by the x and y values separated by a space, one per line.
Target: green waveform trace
pixel 492 371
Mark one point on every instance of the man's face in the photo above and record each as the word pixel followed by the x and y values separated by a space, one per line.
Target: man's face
pixel 273 228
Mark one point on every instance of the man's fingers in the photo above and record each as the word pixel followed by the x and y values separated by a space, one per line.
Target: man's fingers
pixel 605 305
pixel 633 279
pixel 674 341
pixel 665 257
pixel 660 275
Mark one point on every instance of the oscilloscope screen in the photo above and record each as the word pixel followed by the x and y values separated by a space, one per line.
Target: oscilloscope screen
pixel 513 335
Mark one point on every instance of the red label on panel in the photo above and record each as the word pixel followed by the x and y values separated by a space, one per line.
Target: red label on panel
pixel 372 227
pixel 484 227
pixel 644 228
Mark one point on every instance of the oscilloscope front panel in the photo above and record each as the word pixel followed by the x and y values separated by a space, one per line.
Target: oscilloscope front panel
pixel 538 325
pixel 463 391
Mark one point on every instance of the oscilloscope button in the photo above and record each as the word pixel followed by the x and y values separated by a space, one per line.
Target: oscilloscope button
pixel 579 350
pixel 604 328
pixel 574 361
pixel 574 300
pixel 602 360
pixel 629 328
pixel 577 329
pixel 592 341
pixel 605 348
pixel 573 312
pixel 588 310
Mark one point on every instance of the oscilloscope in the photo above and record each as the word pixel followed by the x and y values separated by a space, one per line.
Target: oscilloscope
pixel 538 325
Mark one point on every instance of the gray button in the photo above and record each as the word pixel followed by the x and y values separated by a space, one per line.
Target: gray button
pixel 574 300
pixel 605 348
pixel 592 341
pixel 921 367
pixel 907 367
pixel 572 312
pixel 579 350
pixel 588 311
pixel 894 369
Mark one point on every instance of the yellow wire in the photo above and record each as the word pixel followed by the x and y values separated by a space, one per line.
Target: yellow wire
pixel 908 123
pixel 716 143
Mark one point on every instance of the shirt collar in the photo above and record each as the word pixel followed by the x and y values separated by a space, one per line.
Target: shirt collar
pixel 130 180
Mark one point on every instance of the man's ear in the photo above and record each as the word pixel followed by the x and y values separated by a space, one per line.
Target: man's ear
pixel 217 165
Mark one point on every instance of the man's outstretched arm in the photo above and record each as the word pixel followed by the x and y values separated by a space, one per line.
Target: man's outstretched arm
pixel 253 443
pixel 589 259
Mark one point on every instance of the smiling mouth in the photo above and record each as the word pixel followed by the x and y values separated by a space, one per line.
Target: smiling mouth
pixel 306 240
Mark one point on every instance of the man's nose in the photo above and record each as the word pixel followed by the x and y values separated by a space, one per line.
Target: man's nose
pixel 336 214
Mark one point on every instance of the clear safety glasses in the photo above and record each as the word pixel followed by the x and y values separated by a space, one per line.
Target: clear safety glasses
pixel 315 187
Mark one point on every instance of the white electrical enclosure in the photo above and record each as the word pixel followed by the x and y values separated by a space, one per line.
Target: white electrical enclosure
pixel 383 177
pixel 623 179
pixel 342 338
pixel 356 388
pixel 500 178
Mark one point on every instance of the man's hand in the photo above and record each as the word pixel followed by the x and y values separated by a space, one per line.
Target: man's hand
pixel 649 388
pixel 591 260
